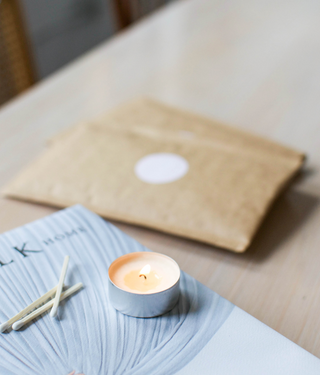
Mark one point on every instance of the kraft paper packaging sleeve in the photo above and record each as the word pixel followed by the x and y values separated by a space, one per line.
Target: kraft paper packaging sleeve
pixel 233 177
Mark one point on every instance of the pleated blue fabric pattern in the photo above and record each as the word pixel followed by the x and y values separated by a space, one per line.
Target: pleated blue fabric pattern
pixel 89 336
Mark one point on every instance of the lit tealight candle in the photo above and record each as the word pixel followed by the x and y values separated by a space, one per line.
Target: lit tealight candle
pixel 144 284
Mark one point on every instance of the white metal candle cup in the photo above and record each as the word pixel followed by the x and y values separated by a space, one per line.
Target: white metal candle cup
pixel 144 284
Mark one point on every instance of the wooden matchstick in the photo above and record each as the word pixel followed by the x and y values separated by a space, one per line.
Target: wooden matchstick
pixel 20 323
pixel 54 310
pixel 25 311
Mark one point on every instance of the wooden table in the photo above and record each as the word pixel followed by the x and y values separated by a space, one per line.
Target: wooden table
pixel 254 64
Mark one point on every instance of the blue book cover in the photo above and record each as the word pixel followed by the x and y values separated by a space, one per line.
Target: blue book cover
pixel 203 334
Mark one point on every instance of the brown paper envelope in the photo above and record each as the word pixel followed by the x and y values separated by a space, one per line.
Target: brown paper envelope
pixel 232 180
pixel 147 115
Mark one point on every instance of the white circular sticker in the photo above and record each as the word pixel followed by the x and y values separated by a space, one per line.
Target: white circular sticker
pixel 161 168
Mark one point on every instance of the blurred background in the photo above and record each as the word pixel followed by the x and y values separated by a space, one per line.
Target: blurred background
pixel 38 37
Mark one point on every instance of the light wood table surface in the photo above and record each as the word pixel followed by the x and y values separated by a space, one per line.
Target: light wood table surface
pixel 251 63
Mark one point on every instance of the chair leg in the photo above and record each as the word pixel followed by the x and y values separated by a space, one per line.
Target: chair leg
pixel 16 67
pixel 123 13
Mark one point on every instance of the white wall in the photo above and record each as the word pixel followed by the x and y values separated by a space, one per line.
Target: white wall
pixel 61 30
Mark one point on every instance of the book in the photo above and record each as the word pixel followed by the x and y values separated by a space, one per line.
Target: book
pixel 203 334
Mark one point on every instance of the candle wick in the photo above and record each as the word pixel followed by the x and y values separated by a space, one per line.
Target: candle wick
pixel 145 277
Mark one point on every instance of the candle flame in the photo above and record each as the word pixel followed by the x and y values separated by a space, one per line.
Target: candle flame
pixel 145 271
